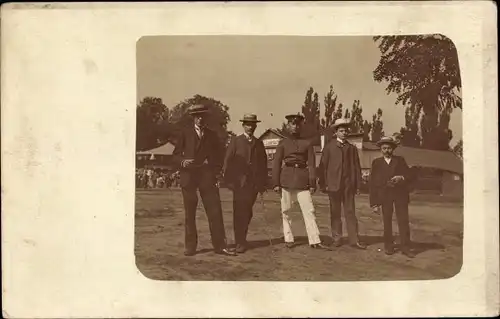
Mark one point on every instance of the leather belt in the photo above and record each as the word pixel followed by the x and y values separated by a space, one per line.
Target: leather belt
pixel 295 165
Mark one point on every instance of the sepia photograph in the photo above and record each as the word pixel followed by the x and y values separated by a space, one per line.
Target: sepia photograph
pixel 298 158
pixel 249 159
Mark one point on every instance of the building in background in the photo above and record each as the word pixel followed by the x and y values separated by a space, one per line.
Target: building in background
pixel 159 157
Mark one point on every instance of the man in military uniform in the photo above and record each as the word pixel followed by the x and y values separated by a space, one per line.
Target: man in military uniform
pixel 340 178
pixel 294 175
pixel 245 172
pixel 389 190
pixel 199 154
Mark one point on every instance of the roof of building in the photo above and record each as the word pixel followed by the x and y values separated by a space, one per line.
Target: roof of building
pixel 165 149
pixel 444 160
pixel 272 131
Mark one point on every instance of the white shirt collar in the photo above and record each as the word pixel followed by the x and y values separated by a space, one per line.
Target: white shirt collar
pixel 248 136
pixel 340 141
pixel 387 159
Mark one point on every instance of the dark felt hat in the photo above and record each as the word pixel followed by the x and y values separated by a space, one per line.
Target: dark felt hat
pixel 294 117
pixel 197 109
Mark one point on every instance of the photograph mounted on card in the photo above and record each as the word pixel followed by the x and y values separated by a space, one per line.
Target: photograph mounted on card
pixel 321 130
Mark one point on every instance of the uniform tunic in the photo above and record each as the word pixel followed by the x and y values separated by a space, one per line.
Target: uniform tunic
pixel 294 171
pixel 294 164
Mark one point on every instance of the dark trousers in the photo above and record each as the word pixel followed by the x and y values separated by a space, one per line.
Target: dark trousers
pixel 343 197
pixel 211 201
pixel 402 217
pixel 243 201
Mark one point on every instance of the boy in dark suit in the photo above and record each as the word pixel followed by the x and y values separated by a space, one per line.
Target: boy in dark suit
pixel 389 190
pixel 245 172
pixel 199 154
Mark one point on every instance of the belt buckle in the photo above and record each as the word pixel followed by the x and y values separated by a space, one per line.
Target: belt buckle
pixel 296 165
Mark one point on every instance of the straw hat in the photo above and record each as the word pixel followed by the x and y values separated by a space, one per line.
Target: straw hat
pixel 250 118
pixel 387 140
pixel 341 122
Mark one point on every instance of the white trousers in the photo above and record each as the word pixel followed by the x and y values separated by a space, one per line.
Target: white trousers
pixel 308 212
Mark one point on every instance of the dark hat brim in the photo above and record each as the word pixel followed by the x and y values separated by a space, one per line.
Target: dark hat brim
pixel 249 121
pixel 294 117
pixel 198 112
pixel 392 143
pixel 341 125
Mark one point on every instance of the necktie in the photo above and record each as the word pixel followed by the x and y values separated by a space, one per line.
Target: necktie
pixel 199 131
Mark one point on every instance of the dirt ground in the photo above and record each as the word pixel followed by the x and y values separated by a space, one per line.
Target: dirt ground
pixel 159 243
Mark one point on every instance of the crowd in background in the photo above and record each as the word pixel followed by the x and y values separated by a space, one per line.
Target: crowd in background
pixel 156 178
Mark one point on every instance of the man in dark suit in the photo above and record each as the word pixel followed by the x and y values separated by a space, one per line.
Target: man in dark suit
pixel 199 154
pixel 294 175
pixel 389 189
pixel 245 172
pixel 340 178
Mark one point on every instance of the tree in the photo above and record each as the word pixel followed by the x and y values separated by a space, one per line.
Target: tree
pixel 409 134
pixel 377 126
pixel 338 112
pixel 150 114
pixel 217 119
pixel 356 117
pixel 347 114
pixel 310 110
pixel 424 71
pixel 330 114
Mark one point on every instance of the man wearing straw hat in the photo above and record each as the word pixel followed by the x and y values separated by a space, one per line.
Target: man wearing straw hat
pixel 245 172
pixel 340 178
pixel 389 181
pixel 294 175
pixel 199 154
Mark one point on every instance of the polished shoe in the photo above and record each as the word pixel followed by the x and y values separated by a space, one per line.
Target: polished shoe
pixel 289 244
pixel 225 252
pixel 389 251
pixel 408 253
pixel 320 246
pixel 189 253
pixel 359 245
pixel 240 249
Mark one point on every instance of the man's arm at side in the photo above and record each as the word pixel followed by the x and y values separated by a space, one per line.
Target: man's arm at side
pixel 357 167
pixel 278 158
pixel 374 185
pixel 311 162
pixel 229 156
pixel 178 153
pixel 323 166
pixel 262 164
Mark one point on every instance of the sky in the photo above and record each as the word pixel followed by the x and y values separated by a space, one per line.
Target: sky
pixel 268 75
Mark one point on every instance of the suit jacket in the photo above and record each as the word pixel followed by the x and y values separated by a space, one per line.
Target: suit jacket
pixel 381 173
pixel 207 155
pixel 294 151
pixel 245 163
pixel 331 166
